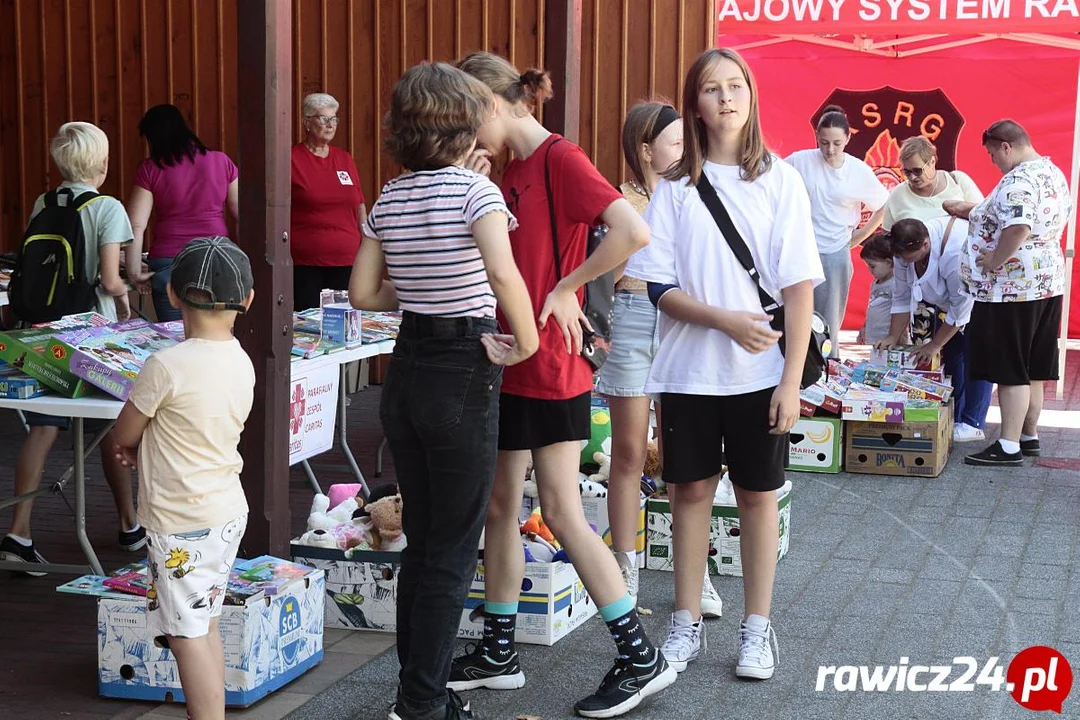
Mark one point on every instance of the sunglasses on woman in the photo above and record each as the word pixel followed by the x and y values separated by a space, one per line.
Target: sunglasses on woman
pixel 914 172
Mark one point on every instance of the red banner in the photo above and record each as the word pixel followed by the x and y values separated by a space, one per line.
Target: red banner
pixel 878 17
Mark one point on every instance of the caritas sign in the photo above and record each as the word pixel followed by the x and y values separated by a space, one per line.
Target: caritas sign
pixel 313 400
pixel 894 16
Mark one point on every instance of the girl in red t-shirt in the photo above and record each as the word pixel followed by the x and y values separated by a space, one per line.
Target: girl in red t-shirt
pixel 545 403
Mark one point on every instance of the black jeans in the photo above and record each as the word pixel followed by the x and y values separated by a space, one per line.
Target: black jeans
pixel 440 413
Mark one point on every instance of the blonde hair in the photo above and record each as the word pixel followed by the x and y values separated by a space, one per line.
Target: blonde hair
pixel 80 150
pixel 917 145
pixel 754 157
pixel 317 101
pixel 528 90
pixel 637 130
pixel 435 111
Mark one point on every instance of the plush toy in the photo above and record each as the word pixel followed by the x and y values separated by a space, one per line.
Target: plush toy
pixel 338 493
pixel 318 538
pixel 602 475
pixel 351 534
pixel 531 490
pixel 386 524
pixel 343 513
pixel 536 548
pixel 589 488
pixel 318 518
pixel 725 492
pixel 652 467
pixel 535 524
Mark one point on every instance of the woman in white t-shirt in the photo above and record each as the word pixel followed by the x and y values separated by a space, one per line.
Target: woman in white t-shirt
pixel 721 375
pixel 839 186
pixel 926 188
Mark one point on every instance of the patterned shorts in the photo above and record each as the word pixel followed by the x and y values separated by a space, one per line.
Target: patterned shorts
pixel 189 572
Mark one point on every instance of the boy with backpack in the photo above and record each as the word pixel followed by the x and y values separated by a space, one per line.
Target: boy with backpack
pixel 181 426
pixel 69 263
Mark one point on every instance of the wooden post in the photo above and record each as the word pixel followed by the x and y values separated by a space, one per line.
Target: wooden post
pixel 264 49
pixel 562 57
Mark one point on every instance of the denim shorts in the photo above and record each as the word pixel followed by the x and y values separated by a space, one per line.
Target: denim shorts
pixel 162 268
pixel 635 338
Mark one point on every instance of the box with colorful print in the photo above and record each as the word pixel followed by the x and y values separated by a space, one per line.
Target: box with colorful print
pixel 915 387
pixel 553 603
pixel 361 586
pixel 904 357
pixel 29 354
pixel 724 554
pixel 379 326
pixel 18 385
pixel 269 641
pixel 816 445
pixel 341 324
pixel 874 406
pixel 914 449
pixel 596 514
pixel 110 357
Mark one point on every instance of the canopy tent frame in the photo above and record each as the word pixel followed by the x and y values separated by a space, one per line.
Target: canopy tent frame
pixel 881 48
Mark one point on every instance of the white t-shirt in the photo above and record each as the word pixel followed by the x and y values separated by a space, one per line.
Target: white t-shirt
pixel 879 311
pixel 903 203
pixel 688 250
pixel 197 395
pixel 940 283
pixel 1033 194
pixel 837 196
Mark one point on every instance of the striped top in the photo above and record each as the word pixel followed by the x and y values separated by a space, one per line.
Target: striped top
pixel 424 222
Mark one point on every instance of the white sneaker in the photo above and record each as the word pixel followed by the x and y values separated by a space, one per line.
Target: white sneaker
pixel 685 640
pixel 628 567
pixel 711 604
pixel 962 432
pixel 758 651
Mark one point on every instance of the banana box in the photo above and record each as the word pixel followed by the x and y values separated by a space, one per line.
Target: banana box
pixel 816 445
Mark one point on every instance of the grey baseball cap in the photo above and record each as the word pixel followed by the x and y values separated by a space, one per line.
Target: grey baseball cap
pixel 215 266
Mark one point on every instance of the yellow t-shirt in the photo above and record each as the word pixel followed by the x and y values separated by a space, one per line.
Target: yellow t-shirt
pixel 197 395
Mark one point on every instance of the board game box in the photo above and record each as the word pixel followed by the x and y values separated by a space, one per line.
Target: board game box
pixel 379 326
pixel 16 384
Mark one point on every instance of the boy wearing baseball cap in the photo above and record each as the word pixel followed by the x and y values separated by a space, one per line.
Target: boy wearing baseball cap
pixel 181 427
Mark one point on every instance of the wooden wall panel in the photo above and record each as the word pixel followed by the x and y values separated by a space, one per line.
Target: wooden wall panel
pixel 108 61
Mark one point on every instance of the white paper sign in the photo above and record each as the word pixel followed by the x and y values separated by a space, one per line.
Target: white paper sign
pixel 313 401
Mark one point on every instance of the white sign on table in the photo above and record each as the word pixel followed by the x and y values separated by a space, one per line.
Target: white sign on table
pixel 313 401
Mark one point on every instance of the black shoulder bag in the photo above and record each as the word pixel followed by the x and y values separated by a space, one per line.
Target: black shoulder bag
pixel 814 366
pixel 599 305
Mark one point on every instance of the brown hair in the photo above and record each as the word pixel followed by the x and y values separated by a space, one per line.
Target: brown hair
pixel 1006 131
pixel 877 247
pixel 639 129
pixel 529 89
pixel 907 235
pixel 755 158
pixel 833 116
pixel 435 112
pixel 917 145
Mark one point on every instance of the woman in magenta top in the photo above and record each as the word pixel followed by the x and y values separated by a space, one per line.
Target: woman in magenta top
pixel 328 208
pixel 187 186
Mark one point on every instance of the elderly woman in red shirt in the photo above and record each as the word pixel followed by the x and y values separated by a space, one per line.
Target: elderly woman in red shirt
pixel 328 208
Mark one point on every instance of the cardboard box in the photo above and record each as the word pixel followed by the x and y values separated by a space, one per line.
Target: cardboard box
pixel 915 449
pixel 724 557
pixel 874 406
pixel 269 641
pixel 341 324
pixel 816 445
pixel 362 593
pixel 904 357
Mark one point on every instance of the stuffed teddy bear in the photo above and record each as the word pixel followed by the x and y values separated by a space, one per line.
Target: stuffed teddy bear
pixel 652 467
pixel 604 473
pixel 318 538
pixel 318 519
pixel 387 534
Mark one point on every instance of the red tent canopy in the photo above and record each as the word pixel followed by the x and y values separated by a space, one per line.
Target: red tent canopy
pixel 945 69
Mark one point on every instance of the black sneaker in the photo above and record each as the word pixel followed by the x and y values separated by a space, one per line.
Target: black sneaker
pixel 996 457
pixel 132 541
pixel 625 686
pixel 11 549
pixel 456 709
pixel 476 670
pixel 1030 448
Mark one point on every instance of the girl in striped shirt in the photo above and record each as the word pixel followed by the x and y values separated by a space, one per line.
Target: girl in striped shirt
pixel 442 232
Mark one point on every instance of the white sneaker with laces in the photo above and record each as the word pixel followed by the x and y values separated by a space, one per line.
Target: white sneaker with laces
pixel 758 651
pixel 962 432
pixel 711 604
pixel 685 640
pixel 628 567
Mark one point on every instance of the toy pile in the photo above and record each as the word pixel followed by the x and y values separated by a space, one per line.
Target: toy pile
pixel 344 520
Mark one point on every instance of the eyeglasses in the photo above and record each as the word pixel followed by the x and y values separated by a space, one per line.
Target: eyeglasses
pixel 914 172
pixel 326 119
pixel 987 136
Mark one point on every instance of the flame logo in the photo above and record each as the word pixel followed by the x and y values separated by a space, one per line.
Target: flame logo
pixel 883 157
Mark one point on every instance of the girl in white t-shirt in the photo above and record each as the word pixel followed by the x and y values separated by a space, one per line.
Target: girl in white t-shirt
pixel 719 370
pixel 839 186
pixel 876 252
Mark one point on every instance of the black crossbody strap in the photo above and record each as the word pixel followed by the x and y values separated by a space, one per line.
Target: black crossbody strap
pixel 734 239
pixel 551 213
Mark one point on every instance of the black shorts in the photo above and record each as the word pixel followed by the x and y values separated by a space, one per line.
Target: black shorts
pixel 1014 343
pixel 699 430
pixel 528 423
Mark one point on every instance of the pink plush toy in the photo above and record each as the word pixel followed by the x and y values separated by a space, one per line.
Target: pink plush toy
pixel 341 492
pixel 349 535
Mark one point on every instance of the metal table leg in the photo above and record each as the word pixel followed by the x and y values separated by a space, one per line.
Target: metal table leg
pixel 311 477
pixel 378 457
pixel 343 434
pixel 80 494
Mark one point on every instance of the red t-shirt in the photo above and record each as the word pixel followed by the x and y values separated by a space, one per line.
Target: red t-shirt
pixel 581 195
pixel 325 197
